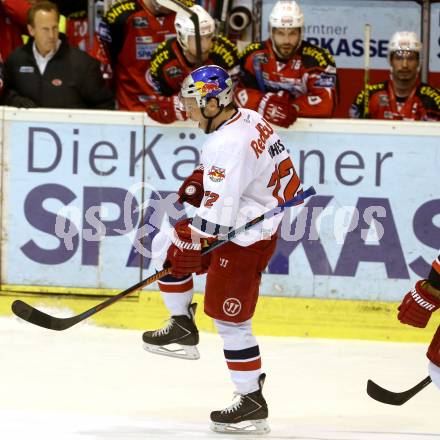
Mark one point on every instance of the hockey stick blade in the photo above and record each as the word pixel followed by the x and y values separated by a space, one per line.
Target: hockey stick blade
pixel 380 394
pixel 37 317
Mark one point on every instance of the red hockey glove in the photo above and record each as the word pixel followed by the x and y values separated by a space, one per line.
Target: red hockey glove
pixel 434 349
pixel 191 190
pixel 184 255
pixel 417 306
pixel 165 109
pixel 277 109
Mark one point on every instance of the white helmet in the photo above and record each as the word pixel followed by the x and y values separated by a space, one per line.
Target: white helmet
pixel 404 41
pixel 286 14
pixel 185 26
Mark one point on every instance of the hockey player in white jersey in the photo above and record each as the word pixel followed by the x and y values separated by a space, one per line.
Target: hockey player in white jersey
pixel 245 170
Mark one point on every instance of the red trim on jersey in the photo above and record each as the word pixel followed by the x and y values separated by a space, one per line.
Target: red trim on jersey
pixel 233 118
pixel 236 118
pixel 245 366
pixel 436 266
pixel 175 287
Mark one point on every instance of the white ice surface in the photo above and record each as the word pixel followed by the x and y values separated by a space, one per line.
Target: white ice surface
pixel 97 383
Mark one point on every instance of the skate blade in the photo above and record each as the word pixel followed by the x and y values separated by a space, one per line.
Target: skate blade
pixel 249 427
pixel 189 352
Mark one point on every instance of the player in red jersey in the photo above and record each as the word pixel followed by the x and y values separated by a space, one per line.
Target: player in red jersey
pixel 137 27
pixel 416 309
pixel 403 96
pixel 285 77
pixel 13 20
pixel 176 58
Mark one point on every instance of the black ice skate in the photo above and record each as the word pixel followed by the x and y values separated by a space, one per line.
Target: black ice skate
pixel 246 416
pixel 181 331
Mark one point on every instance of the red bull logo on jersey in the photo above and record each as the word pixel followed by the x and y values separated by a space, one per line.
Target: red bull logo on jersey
pixel 216 174
pixel 205 88
pixel 259 144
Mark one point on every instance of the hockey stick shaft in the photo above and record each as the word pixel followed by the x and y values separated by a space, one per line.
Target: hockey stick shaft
pixel 91 22
pixel 367 39
pixel 35 316
pixel 223 10
pixel 271 213
pixel 383 395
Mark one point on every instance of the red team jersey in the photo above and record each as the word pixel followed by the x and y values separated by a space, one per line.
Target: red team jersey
pixel 169 67
pixel 423 103
pixel 135 34
pixel 309 77
pixel 13 15
pixel 77 32
pixel 17 10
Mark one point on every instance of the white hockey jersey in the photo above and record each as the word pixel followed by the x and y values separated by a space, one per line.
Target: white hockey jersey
pixel 247 171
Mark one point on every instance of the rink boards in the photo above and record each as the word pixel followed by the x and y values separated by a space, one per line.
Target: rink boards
pixel 84 192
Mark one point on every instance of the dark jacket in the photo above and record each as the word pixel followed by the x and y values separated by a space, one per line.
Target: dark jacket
pixel 72 79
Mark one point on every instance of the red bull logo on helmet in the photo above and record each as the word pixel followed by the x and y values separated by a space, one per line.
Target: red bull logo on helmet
pixel 204 88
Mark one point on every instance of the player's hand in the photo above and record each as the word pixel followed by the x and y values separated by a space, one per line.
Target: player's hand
pixel 191 190
pixel 277 109
pixel 185 253
pixel 165 109
pixel 417 306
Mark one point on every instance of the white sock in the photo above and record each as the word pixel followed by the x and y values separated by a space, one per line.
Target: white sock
pixel 178 303
pixel 239 341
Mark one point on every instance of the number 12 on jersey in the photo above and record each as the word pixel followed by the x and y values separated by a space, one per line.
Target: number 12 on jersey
pixel 284 180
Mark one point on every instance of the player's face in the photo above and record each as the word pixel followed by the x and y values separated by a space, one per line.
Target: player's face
pixel 195 114
pixel 286 40
pixel 192 109
pixel 404 65
pixel 45 31
pixel 205 42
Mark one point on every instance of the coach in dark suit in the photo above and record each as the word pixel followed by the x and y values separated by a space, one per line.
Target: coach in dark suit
pixel 47 72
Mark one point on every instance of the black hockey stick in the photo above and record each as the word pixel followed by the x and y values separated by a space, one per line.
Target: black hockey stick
pixel 35 316
pixel 390 398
